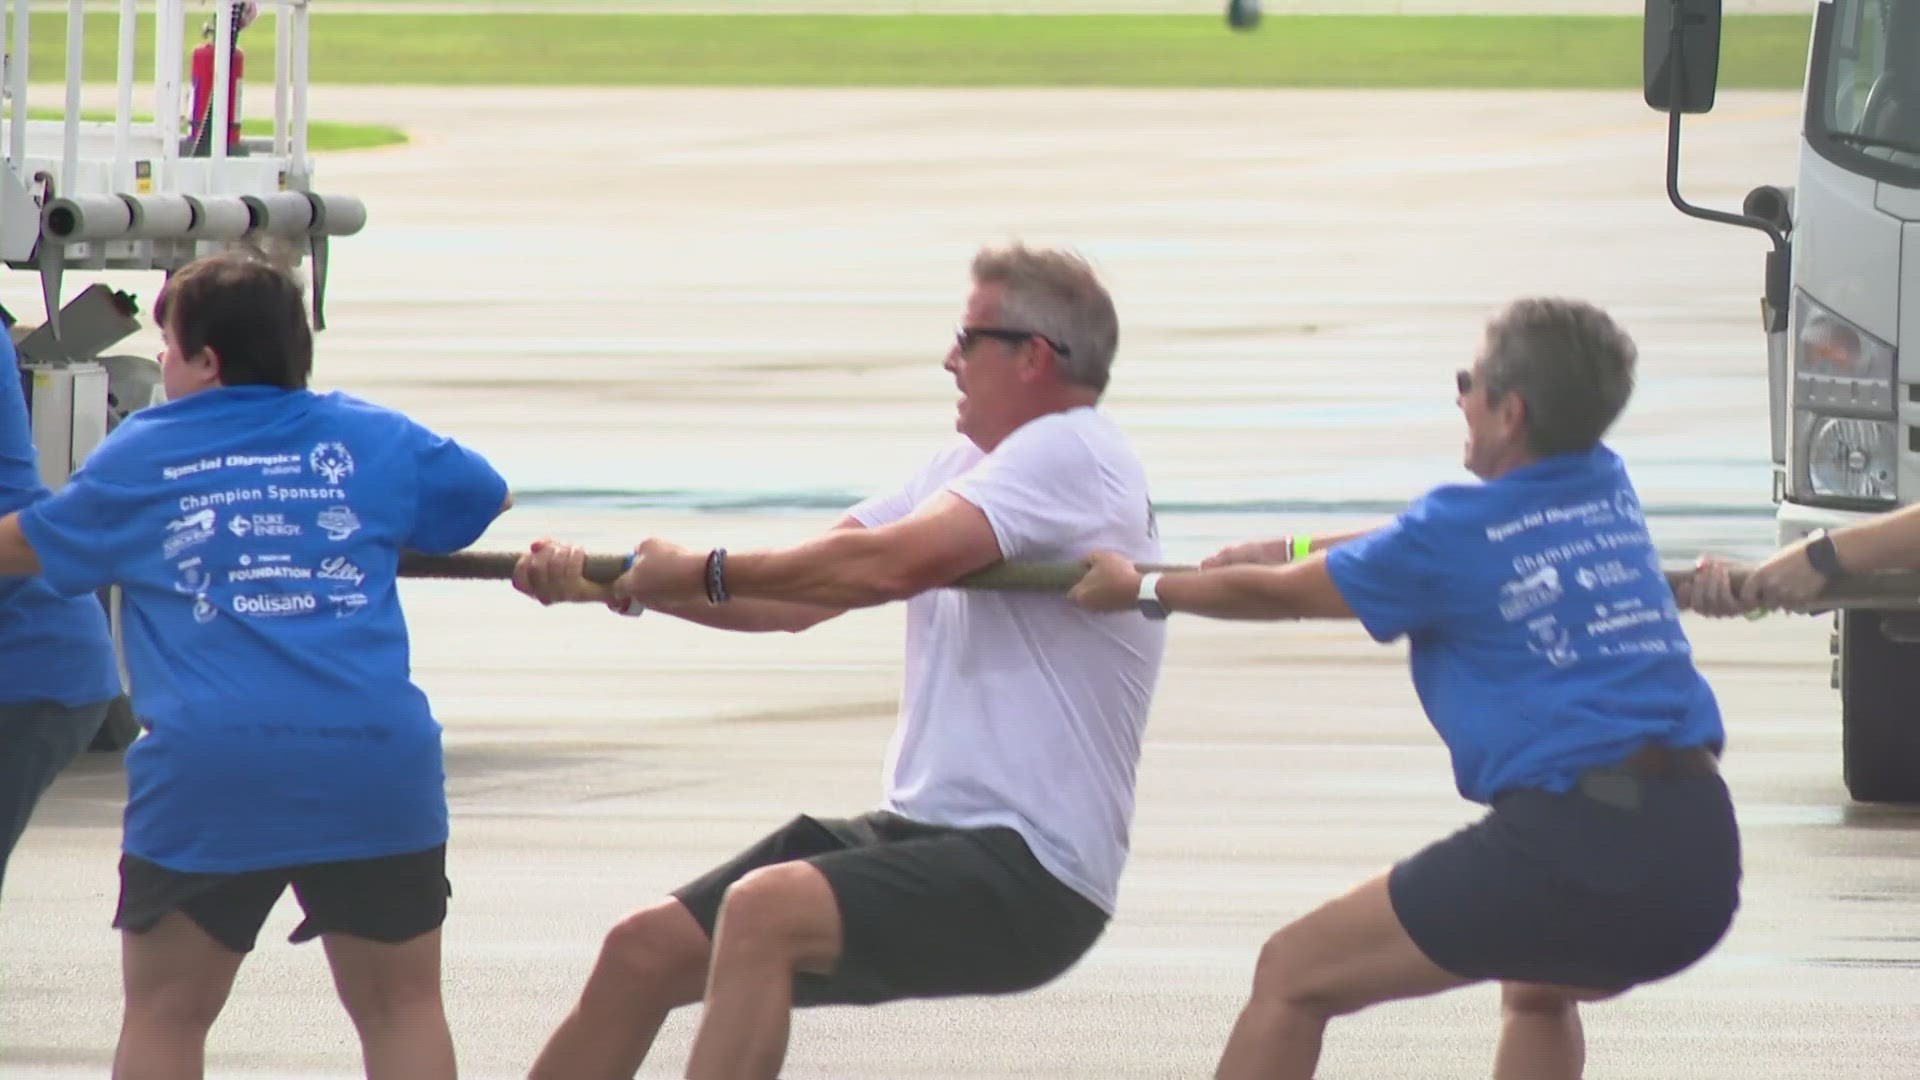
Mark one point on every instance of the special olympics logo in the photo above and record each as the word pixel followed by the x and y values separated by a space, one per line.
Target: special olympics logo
pixel 331 460
pixel 1627 505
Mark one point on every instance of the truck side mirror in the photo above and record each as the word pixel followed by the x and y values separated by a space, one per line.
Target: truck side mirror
pixel 1681 54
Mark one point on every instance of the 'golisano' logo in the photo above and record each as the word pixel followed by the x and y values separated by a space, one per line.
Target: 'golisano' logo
pixel 275 604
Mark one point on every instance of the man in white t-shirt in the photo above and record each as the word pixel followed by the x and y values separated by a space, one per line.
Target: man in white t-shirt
pixel 994 862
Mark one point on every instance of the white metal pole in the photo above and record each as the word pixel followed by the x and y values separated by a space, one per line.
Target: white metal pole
pixel 300 34
pixel 17 72
pixel 123 108
pixel 169 41
pixel 76 44
pixel 282 78
pixel 222 71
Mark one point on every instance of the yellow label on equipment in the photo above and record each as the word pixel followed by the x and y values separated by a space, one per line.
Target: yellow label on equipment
pixel 143 177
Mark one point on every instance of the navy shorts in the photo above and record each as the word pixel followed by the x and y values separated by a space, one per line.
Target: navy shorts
pixel 389 899
pixel 1623 880
pixel 926 911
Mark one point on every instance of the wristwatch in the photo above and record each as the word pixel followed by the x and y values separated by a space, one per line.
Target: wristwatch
pixel 1823 556
pixel 1149 602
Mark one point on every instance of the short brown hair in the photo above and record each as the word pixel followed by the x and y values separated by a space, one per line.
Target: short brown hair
pixel 250 313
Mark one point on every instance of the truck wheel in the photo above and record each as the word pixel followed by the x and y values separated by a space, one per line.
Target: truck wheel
pixel 1879 708
pixel 119 729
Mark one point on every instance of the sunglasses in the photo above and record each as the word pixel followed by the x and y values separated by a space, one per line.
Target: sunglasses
pixel 1463 379
pixel 966 336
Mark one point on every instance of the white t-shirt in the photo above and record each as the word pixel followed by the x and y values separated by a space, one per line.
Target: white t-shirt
pixel 1021 709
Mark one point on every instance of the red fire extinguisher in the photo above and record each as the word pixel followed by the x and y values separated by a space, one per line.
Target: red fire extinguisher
pixel 201 141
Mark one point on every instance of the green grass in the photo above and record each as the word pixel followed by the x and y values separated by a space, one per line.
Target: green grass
pixel 972 50
pixel 322 135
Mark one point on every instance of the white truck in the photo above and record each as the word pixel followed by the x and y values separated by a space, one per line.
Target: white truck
pixel 145 193
pixel 1842 283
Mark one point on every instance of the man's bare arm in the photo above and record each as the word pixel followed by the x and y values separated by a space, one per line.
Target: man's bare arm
pixel 935 546
pixel 752 616
pixel 552 574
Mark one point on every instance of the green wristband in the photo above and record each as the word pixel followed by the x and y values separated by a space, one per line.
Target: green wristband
pixel 1302 547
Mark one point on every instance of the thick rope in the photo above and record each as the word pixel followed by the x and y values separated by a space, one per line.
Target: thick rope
pixel 1894 590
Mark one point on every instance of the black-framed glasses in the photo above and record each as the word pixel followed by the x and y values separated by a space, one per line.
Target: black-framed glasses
pixel 965 336
pixel 1463 379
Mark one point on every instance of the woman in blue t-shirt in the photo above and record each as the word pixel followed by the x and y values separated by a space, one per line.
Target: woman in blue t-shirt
pixel 256 528
pixel 58 675
pixel 1547 650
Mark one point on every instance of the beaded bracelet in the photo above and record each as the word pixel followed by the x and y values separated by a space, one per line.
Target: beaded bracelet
pixel 717 576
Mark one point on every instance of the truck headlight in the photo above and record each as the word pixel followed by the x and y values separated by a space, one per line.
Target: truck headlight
pixel 1837 365
pixel 1846 439
pixel 1850 458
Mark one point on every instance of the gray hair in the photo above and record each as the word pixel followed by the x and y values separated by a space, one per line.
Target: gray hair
pixel 1057 295
pixel 1571 364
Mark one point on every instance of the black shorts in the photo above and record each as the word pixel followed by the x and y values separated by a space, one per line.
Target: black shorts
pixel 390 899
pixel 925 911
pixel 1619 882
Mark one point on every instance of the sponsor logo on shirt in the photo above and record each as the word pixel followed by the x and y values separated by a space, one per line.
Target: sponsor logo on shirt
pixel 337 568
pixel 1627 505
pixel 1552 642
pixel 1606 574
pixel 1623 615
pixel 345 604
pixel 175 472
pixel 261 525
pixel 331 460
pixel 339 522
pixel 187 532
pixel 268 464
pixel 265 605
pixel 1524 596
pixel 270 572
pixel 193 578
pixel 1593 512
pixel 249 560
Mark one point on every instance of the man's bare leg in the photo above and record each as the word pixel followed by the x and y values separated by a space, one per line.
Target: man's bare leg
pixel 774 922
pixel 651 963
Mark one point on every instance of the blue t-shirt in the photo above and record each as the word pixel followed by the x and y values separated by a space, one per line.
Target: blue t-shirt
pixel 257 533
pixel 52 647
pixel 1544 638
